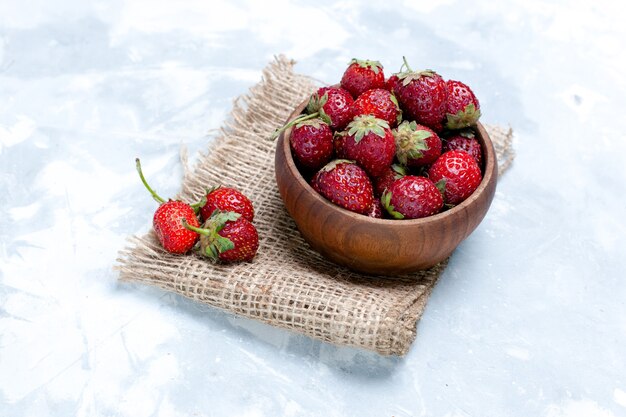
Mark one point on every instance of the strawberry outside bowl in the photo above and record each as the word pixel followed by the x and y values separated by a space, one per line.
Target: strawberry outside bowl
pixel 380 246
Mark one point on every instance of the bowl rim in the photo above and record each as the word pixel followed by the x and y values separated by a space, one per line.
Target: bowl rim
pixel 489 174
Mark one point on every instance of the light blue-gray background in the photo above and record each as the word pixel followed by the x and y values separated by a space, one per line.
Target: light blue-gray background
pixel 529 319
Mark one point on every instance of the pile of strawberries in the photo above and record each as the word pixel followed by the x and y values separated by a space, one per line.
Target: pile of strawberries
pixel 226 233
pixel 401 147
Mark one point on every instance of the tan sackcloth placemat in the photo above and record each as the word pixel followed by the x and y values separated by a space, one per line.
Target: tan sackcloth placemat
pixel 288 284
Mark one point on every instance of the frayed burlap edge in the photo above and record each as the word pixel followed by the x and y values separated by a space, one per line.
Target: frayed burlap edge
pixel 287 285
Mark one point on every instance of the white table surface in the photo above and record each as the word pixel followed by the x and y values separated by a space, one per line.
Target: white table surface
pixel 529 319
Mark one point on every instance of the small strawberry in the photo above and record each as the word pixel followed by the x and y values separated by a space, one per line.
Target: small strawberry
pixel 384 181
pixel 370 143
pixel 227 199
pixel 412 197
pixel 462 108
pixel 457 174
pixel 168 221
pixel 376 211
pixel 422 96
pixel 312 143
pixel 338 144
pixel 465 141
pixel 416 145
pixel 362 75
pixel 391 82
pixel 332 105
pixel 346 184
pixel 227 236
pixel 379 103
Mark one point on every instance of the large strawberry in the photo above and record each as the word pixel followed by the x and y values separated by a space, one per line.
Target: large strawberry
pixel 227 199
pixel 412 197
pixel 457 173
pixel 379 103
pixel 370 143
pixel 312 143
pixel 465 141
pixel 422 96
pixel 168 221
pixel 346 184
pixel 362 75
pixel 416 145
pixel 388 177
pixel 332 105
pixel 227 236
pixel 462 109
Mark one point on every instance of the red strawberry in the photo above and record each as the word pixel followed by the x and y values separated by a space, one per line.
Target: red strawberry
pixel 346 184
pixel 391 82
pixel 376 211
pixel 227 236
pixel 457 173
pixel 168 221
pixel 334 106
pixel 465 141
pixel 312 143
pixel 362 75
pixel 422 97
pixel 416 145
pixel 227 199
pixel 384 181
pixel 379 103
pixel 462 108
pixel 370 143
pixel 412 197
pixel 338 144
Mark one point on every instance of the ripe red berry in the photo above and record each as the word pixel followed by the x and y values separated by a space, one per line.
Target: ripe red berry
pixel 412 197
pixel 416 145
pixel 462 109
pixel 465 142
pixel 379 103
pixel 370 143
pixel 227 199
pixel 422 97
pixel 227 236
pixel 333 105
pixel 168 221
pixel 362 75
pixel 457 173
pixel 389 175
pixel 346 184
pixel 311 142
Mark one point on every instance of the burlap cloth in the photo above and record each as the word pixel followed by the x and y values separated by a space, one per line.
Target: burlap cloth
pixel 288 284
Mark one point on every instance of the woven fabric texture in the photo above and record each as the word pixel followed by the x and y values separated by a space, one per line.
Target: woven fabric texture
pixel 288 284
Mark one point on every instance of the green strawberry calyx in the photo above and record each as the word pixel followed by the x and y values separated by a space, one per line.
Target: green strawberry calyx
pixel 385 199
pixel 315 123
pixel 366 124
pixel 314 109
pixel 333 164
pixel 410 141
pixel 468 116
pixel 211 243
pixel 407 75
pixel 375 66
pixel 399 171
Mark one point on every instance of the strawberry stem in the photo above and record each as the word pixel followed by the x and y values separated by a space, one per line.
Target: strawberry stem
pixel 145 183
pixel 295 121
pixel 406 64
pixel 195 229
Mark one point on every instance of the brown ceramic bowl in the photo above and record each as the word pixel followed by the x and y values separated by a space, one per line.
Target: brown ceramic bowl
pixel 380 246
